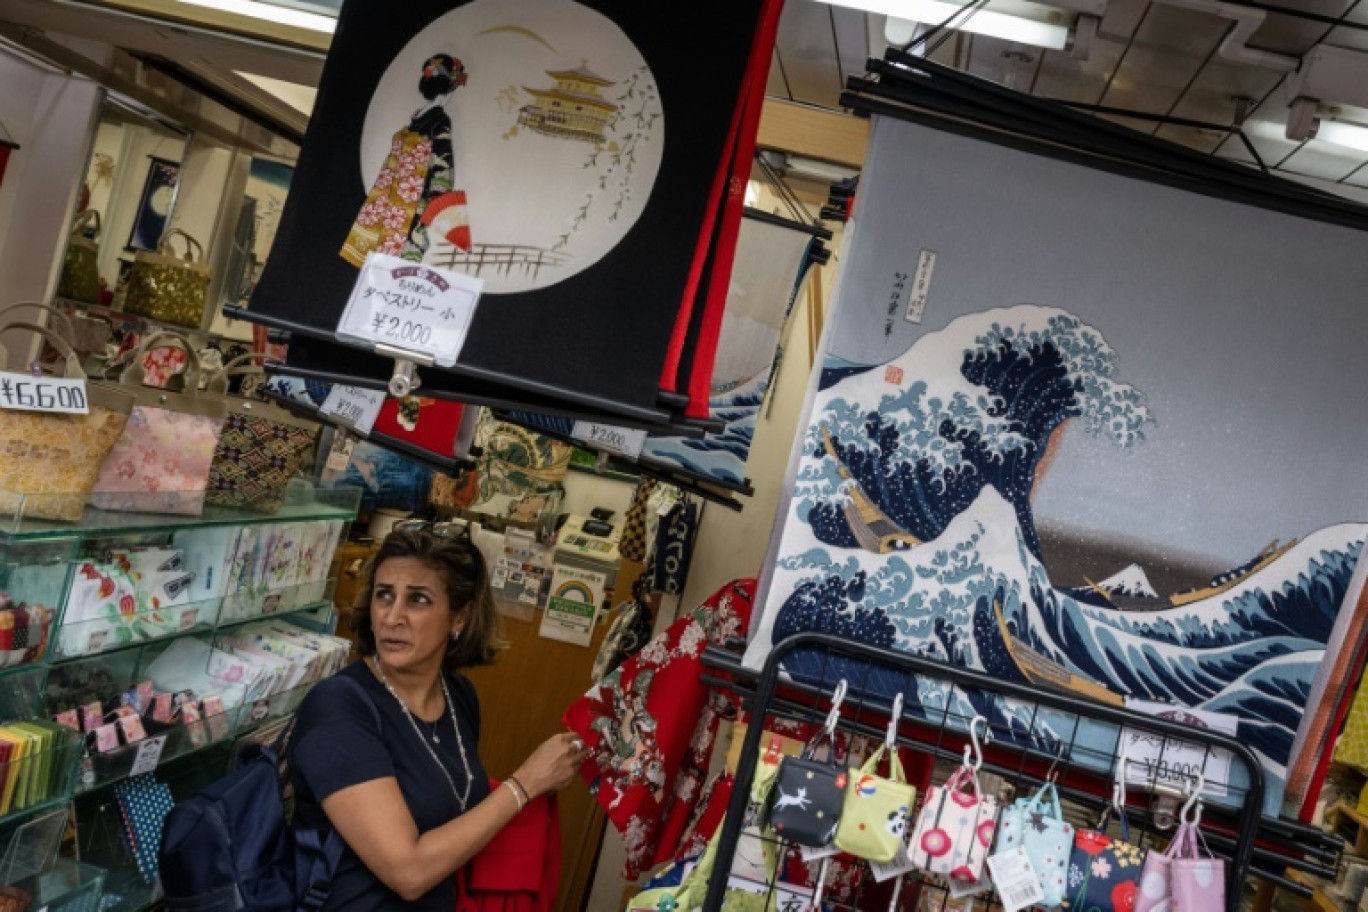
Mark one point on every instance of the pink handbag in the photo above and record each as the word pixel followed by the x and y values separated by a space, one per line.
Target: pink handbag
pixel 1180 879
pixel 161 463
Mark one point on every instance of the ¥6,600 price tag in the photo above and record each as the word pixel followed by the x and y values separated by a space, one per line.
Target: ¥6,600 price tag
pixel 411 306
pixel 620 440
pixel 353 405
pixel 43 394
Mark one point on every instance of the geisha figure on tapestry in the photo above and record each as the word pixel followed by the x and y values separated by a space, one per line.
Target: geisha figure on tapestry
pixel 415 194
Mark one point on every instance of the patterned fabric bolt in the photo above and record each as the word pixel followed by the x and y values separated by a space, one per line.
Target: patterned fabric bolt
pixel 633 543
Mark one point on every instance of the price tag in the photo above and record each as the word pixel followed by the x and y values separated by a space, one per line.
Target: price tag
pixel 149 753
pixel 411 306
pixel 900 864
pixel 810 853
pixel 340 453
pixel 97 640
pixel 1165 761
pixel 188 618
pixel 355 406
pixel 59 395
pixel 959 889
pixel 1018 885
pixel 623 441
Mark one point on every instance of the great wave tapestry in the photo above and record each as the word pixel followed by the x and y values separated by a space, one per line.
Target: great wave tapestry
pixel 1075 429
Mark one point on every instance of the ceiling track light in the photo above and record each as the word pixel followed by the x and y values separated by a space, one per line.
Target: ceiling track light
pixel 1059 25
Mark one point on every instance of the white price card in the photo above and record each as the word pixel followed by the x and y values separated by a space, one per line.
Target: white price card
pixel 812 853
pixel 27 393
pixel 412 306
pixel 354 406
pixel 149 754
pixel 1156 759
pixel 887 870
pixel 1018 885
pixel 188 618
pixel 340 453
pixel 623 441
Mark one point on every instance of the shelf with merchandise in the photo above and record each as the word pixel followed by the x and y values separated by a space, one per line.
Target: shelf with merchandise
pixel 37 769
pixel 25 517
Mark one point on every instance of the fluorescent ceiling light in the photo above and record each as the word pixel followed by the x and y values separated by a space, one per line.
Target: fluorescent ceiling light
pixel 281 15
pixel 1025 29
pixel 1341 133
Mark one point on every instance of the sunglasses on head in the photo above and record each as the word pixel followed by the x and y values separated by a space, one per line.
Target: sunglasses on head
pixel 448 530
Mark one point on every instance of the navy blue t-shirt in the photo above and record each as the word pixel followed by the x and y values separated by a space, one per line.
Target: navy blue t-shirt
pixel 336 744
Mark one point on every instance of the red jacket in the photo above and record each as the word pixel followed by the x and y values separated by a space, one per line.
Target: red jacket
pixel 519 870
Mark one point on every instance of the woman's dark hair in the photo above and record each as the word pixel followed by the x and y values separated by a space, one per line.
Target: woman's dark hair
pixel 462 568
pixel 441 75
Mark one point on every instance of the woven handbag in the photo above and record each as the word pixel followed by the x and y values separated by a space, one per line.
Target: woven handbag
pixel 49 462
pixel 261 448
pixel 169 288
pixel 161 463
pixel 80 278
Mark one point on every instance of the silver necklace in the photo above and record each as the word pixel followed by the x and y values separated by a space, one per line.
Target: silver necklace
pixel 461 799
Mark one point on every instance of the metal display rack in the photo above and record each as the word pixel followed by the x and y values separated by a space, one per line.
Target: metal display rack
pixel 1021 752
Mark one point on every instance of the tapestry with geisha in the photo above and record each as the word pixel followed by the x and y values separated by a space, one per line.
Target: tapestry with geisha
pixel 1085 432
pixel 650 724
pixel 568 154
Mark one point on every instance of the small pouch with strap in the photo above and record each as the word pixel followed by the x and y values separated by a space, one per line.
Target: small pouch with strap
pixel 262 446
pixel 1037 824
pixel 875 812
pixel 808 795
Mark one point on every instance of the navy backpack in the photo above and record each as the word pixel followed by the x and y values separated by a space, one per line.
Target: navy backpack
pixel 230 849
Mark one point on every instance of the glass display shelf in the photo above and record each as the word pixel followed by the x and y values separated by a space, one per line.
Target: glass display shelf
pixel 67 886
pixel 303 502
pixel 38 770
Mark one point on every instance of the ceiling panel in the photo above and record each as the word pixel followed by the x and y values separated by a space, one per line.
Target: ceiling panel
pixel 1323 160
pixel 776 85
pixel 1169 48
pixel 1192 137
pixel 807 48
pixel 1211 96
pixel 1122 19
pixel 852 40
pixel 1265 131
pixel 1004 62
pixel 1359 178
pixel 1293 35
pixel 1349 38
pixel 1068 79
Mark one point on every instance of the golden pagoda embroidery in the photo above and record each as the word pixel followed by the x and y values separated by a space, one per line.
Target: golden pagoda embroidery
pixel 573 108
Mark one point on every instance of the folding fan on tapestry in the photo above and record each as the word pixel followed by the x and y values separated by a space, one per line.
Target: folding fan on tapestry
pixel 573 156
pixel 1044 450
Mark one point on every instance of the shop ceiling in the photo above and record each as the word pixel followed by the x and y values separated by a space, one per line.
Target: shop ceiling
pixel 1158 67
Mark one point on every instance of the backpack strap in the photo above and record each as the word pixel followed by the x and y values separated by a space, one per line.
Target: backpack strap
pixel 326 855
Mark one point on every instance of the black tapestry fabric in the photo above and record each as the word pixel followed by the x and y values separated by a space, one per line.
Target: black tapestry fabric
pixel 563 152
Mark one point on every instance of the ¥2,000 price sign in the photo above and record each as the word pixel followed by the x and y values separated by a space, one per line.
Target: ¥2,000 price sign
pixel 411 306
pixel 623 441
pixel 59 395
pixel 353 406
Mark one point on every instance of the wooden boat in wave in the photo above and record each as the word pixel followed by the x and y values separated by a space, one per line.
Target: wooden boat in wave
pixel 1046 672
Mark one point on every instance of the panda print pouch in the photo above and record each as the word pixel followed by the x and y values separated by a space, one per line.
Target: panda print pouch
pixel 874 815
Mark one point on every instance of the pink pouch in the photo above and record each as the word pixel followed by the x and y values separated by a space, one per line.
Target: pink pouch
pixel 1197 882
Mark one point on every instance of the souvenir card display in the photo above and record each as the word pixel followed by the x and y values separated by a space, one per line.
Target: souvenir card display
pixel 34 763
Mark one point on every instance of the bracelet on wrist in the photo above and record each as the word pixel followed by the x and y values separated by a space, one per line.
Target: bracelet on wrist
pixel 516 797
pixel 527 796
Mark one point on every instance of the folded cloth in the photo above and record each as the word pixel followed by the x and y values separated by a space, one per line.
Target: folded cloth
pixel 519 870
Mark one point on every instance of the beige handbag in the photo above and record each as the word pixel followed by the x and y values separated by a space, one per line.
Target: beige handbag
pixel 80 279
pixel 49 462
pixel 169 288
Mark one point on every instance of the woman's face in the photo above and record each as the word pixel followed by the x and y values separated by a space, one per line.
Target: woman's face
pixel 411 614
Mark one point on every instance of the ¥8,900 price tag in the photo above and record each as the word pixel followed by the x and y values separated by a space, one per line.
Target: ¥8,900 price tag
pixel 411 306
pixel 43 394
pixel 623 441
pixel 354 406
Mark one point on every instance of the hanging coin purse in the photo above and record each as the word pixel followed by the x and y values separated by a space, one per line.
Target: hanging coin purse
pixel 1037 825
pixel 875 812
pixel 954 830
pixel 805 805
pixel 1197 880
pixel 1104 873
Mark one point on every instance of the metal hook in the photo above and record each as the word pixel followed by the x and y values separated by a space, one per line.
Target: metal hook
pixel 1052 774
pixel 1192 808
pixel 837 698
pixel 891 738
pixel 974 760
pixel 1119 783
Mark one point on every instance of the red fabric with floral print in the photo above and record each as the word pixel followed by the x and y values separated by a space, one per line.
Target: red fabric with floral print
pixel 649 718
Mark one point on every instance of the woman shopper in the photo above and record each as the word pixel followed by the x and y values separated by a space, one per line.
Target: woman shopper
pixel 410 798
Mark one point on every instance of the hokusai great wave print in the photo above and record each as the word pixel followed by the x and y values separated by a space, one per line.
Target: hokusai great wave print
pixel 1114 449
pixel 917 497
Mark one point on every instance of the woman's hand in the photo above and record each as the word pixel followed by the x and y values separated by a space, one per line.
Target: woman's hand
pixel 552 766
